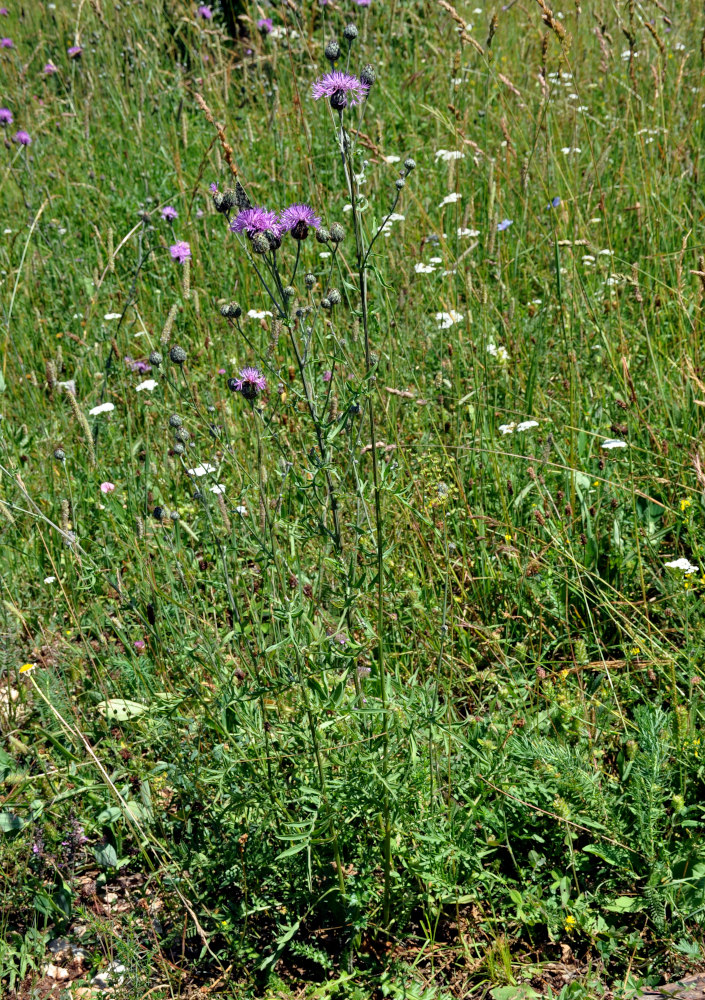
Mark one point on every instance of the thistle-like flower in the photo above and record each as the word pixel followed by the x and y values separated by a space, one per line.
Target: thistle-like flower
pixel 6 116
pixel 341 89
pixel 250 383
pixel 255 220
pixel 22 138
pixel 297 220
pixel 180 251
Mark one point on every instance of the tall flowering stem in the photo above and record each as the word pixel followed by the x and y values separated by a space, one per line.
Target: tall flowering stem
pixel 370 364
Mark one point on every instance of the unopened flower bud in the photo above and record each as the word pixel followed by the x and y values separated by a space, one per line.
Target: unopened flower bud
pixel 350 33
pixel 322 234
pixel 309 280
pixel 332 50
pixel 325 303
pixel 174 515
pixel 274 239
pixel 155 359
pixel 399 182
pixel 337 233
pixel 60 455
pixel 260 243
pixel 334 297
pixel 231 310
pixel 177 355
pixel 175 420
pixel 179 448
pixel 289 292
pixel 181 434
pixel 368 75
pixel 158 513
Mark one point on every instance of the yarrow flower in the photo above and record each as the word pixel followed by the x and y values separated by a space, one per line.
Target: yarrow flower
pixel 180 251
pixel 341 89
pixel 169 213
pixel 250 383
pixel 74 51
pixel 22 138
pixel 297 219
pixel 50 69
pixel 205 12
pixel 256 220
pixel 6 116
pixel 265 24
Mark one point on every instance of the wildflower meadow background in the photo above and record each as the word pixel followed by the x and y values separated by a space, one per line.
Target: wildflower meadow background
pixel 352 493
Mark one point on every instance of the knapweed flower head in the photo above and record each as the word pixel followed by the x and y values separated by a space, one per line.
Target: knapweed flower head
pixel 255 220
pixel 169 213
pixel 205 12
pixel 6 116
pixel 4 12
pixel 6 43
pixel 50 69
pixel 74 51
pixel 180 251
pixel 265 24
pixel 341 89
pixel 250 383
pixel 363 3
pixel 297 220
pixel 22 138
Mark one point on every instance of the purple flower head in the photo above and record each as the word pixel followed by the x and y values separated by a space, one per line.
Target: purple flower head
pixel 213 187
pixel 140 645
pixel 180 251
pixel 74 51
pixel 50 69
pixel 22 138
pixel 250 383
pixel 297 220
pixel 554 202
pixel 339 637
pixel 327 376
pixel 169 213
pixel 341 89
pixel 205 12
pixel 6 43
pixel 265 24
pixel 363 3
pixel 504 224
pixel 3 11
pixel 6 116
pixel 256 220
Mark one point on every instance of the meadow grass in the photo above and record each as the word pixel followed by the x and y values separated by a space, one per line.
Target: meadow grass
pixel 385 679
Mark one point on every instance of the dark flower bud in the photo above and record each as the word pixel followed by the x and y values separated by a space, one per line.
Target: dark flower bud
pixel 260 243
pixel 409 164
pixel 325 304
pixel 227 201
pixel 60 455
pixel 174 515
pixel 337 233
pixel 368 75
pixel 309 280
pixel 175 420
pixel 334 297
pixel 155 359
pixel 350 33
pixel 322 234
pixel 177 355
pixel 181 434
pixel 289 292
pixel 300 230
pixel 179 448
pixel 274 239
pixel 332 50
pixel 399 183
pixel 231 310
pixel 158 513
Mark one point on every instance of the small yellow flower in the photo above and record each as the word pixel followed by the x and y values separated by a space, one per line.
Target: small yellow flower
pixel 634 651
pixel 564 674
pixel 26 667
pixel 685 504
pixel 570 922
pixel 507 538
